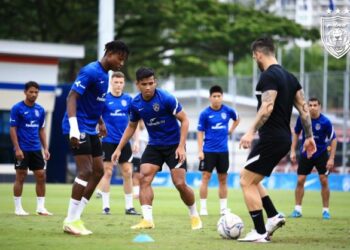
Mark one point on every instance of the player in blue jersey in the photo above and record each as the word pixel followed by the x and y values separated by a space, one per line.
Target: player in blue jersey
pixel 85 103
pixel 161 113
pixel 116 117
pixel 213 129
pixel 325 138
pixel 28 136
pixel 277 91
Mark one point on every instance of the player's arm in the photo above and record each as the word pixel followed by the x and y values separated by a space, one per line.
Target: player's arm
pixel 330 162
pixel 180 151
pixel 295 138
pixel 136 139
pixel 42 136
pixel 102 130
pixel 303 108
pixel 74 133
pixel 18 151
pixel 128 133
pixel 234 125
pixel 200 138
pixel 267 104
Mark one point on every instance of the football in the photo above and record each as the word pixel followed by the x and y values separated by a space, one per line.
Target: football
pixel 230 226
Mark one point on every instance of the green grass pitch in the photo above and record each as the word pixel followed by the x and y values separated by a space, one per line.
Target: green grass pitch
pixel 172 222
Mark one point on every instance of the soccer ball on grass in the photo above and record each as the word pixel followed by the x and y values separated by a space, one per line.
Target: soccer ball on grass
pixel 230 226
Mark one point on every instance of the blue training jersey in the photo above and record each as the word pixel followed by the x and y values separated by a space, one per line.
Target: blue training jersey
pixel 28 120
pixel 91 84
pixel 158 115
pixel 323 134
pixel 116 116
pixel 215 125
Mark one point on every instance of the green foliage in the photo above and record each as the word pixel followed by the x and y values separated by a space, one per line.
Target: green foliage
pixel 190 35
pixel 172 229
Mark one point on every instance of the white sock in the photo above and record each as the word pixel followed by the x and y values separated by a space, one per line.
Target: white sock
pixel 82 204
pixel 223 204
pixel 298 208
pixel 204 204
pixel 72 209
pixel 136 190
pixel 40 203
pixel 18 202
pixel 98 191
pixel 193 210
pixel 325 209
pixel 147 212
pixel 128 201
pixel 105 200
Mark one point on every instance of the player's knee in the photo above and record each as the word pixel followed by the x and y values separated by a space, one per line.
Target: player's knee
pixel 127 173
pixel 41 177
pixel 243 182
pixel 86 173
pixel 180 185
pixel 324 182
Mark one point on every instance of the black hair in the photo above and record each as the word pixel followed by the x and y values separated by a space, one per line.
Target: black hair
pixel 216 89
pixel 30 84
pixel 264 45
pixel 117 47
pixel 315 99
pixel 143 73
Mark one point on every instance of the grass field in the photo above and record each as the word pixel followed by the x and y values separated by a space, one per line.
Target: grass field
pixel 172 223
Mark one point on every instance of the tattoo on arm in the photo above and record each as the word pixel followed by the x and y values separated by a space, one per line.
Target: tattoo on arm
pixel 267 103
pixel 303 109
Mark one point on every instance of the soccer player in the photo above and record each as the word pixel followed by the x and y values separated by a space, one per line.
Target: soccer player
pixel 85 103
pixel 141 143
pixel 276 91
pixel 160 112
pixel 116 117
pixel 324 136
pixel 213 128
pixel 27 131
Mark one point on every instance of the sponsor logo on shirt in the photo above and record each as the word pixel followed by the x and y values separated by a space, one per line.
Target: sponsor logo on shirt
pixel 101 98
pixel 218 126
pixel 153 122
pixel 78 84
pixel 117 112
pixel 32 125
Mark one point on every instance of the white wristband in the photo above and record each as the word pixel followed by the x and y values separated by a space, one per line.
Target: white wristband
pixel 74 128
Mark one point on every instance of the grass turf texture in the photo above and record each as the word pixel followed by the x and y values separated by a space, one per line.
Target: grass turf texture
pixel 172 222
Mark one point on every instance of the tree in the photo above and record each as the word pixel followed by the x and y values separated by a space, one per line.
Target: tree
pixel 178 37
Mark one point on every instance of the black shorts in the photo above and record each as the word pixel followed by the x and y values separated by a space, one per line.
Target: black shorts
pixel 157 155
pixel 89 145
pixel 305 165
pixel 266 154
pixel 32 159
pixel 215 160
pixel 136 162
pixel 108 150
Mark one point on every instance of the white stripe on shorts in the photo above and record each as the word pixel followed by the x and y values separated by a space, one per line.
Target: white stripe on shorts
pixel 253 159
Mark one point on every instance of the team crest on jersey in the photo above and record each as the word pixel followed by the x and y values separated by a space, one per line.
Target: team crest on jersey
pixel 223 115
pixel 82 136
pixel 124 103
pixel 318 126
pixel 156 107
pixel 37 113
